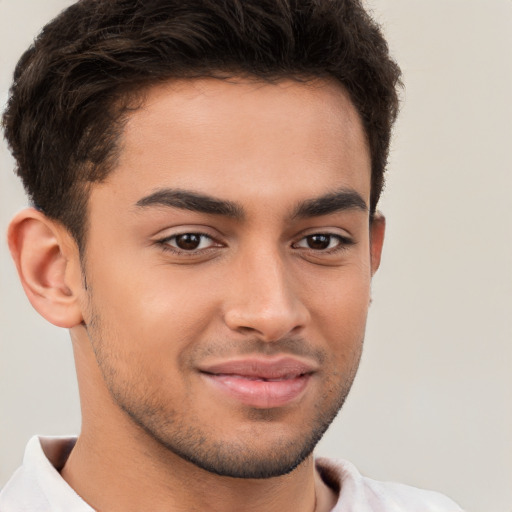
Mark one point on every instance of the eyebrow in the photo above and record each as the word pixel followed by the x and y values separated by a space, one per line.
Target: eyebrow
pixel 187 200
pixel 344 199
pixel 340 200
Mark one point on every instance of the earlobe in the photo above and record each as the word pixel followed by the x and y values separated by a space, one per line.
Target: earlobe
pixel 48 266
pixel 377 230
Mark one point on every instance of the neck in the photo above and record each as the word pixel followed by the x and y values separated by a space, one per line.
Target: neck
pixel 113 473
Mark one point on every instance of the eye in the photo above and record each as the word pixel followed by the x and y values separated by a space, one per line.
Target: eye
pixel 323 242
pixel 188 242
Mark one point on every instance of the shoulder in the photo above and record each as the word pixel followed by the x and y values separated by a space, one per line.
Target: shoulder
pixel 37 485
pixel 363 494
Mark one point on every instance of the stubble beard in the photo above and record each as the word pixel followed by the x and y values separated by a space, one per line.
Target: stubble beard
pixel 189 437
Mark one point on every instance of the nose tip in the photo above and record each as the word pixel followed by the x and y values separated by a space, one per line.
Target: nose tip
pixel 263 303
pixel 268 324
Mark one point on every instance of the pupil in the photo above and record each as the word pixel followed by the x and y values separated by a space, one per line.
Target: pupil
pixel 188 241
pixel 319 241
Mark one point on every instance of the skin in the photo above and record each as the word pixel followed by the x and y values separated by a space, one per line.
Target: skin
pixel 145 316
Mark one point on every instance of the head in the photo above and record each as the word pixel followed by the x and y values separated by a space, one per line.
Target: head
pixel 206 176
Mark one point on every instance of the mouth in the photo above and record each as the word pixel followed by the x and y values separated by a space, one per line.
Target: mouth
pixel 261 383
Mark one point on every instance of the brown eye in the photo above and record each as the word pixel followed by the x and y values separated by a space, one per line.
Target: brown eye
pixel 189 241
pixel 323 242
pixel 318 242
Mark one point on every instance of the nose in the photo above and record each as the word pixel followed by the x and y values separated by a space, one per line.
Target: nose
pixel 263 299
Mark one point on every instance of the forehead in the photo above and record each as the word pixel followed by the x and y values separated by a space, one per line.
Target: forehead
pixel 256 138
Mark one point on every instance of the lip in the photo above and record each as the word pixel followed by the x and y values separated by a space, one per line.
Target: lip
pixel 262 383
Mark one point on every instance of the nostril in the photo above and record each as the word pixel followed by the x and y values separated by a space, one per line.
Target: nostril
pixel 265 327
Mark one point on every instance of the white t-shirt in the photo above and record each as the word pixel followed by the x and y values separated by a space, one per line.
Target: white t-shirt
pixel 38 487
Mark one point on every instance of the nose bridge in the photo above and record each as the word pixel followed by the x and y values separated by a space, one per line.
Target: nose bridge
pixel 262 299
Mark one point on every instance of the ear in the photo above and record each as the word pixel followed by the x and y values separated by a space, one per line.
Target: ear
pixel 48 265
pixel 377 230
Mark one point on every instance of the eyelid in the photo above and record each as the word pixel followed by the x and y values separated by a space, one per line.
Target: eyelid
pixel 183 228
pixel 344 241
pixel 166 241
pixel 163 237
pixel 323 230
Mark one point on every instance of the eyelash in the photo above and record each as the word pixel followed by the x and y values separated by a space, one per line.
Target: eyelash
pixel 164 243
pixel 343 243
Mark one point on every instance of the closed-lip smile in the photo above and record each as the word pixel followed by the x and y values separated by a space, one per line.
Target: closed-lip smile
pixel 261 382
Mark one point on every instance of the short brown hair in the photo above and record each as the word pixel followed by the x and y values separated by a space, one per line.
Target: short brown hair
pixel 71 87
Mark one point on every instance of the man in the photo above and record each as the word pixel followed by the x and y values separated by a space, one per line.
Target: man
pixel 205 177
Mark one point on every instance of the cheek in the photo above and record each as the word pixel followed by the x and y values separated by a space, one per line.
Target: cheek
pixel 344 320
pixel 150 313
pixel 339 307
pixel 342 292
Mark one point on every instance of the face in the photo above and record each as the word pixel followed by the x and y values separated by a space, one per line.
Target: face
pixel 228 264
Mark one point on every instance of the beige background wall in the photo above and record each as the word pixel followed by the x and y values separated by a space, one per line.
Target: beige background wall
pixel 432 405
